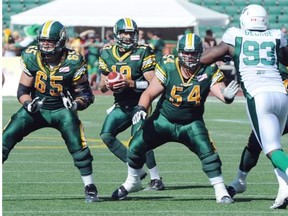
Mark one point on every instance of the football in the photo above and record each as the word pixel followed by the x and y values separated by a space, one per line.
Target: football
pixel 114 77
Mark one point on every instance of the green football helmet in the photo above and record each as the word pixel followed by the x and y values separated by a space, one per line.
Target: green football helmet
pixel 52 31
pixel 189 48
pixel 126 25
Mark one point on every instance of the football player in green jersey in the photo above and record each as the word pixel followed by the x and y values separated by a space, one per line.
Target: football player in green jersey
pixel 52 87
pixel 136 63
pixel 184 85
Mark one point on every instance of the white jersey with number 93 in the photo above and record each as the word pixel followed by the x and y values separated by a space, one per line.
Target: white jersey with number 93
pixel 256 58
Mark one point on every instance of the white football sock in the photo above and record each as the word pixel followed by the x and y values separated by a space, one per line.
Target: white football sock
pixel 219 187
pixel 133 182
pixel 154 174
pixel 87 179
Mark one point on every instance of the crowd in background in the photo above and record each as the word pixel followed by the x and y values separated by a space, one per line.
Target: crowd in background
pixel 90 44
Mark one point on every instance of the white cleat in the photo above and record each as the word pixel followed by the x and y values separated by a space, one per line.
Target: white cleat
pixel 280 205
pixel 281 201
pixel 225 200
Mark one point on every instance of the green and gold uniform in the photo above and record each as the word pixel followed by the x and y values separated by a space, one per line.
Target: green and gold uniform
pixel 133 64
pixel 48 83
pixel 178 116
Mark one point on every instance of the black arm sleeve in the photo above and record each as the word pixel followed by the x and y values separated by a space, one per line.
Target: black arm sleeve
pixel 83 96
pixel 22 89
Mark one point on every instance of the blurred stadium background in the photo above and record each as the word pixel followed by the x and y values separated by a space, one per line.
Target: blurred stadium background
pixel 277 9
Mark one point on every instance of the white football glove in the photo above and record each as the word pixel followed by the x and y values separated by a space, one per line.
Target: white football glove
pixel 34 105
pixel 140 113
pixel 68 101
pixel 231 90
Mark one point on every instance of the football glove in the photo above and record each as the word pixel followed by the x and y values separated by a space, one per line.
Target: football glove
pixel 68 101
pixel 139 114
pixel 230 91
pixel 34 105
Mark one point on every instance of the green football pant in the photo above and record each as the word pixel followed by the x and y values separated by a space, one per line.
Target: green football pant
pixel 157 130
pixel 66 122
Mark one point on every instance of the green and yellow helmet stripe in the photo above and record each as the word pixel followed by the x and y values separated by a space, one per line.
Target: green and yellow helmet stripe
pixel 46 28
pixel 189 43
pixel 129 23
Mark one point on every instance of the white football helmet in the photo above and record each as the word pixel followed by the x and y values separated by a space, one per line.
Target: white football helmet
pixel 254 17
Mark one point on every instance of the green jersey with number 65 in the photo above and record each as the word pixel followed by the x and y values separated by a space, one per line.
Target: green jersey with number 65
pixel 256 58
pixel 183 100
pixel 49 82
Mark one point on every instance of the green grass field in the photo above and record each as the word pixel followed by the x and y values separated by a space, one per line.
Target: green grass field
pixel 39 178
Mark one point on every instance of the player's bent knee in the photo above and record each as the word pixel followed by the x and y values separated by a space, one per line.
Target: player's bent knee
pixel 108 139
pixel 135 161
pixel 83 161
pixel 211 163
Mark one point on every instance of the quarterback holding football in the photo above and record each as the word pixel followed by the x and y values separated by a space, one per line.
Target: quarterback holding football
pixel 135 66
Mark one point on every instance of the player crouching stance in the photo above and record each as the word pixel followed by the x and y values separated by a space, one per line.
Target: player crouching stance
pixel 53 86
pixel 184 85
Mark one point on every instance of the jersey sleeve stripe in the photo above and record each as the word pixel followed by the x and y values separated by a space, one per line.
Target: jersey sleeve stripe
pixel 161 75
pixel 24 68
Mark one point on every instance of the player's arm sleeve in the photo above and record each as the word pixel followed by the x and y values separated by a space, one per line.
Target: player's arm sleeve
pixel 103 67
pixel 160 74
pixel 82 91
pixel 24 67
pixel 149 60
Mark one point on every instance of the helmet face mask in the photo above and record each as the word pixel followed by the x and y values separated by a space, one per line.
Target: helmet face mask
pixel 52 38
pixel 47 46
pixel 126 33
pixel 254 17
pixel 189 50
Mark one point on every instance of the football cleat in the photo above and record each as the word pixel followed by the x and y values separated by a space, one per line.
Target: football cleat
pixel 155 184
pixel 91 193
pixel 235 187
pixel 225 200
pixel 120 194
pixel 280 205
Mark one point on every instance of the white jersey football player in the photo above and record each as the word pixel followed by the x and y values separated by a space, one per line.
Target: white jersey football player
pixel 256 52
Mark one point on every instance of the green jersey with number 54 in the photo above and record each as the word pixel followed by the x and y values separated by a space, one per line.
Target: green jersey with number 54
pixel 49 82
pixel 256 58
pixel 183 100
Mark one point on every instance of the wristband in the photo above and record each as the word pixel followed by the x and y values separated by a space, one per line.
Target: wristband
pixel 26 103
pixel 141 85
pixel 228 101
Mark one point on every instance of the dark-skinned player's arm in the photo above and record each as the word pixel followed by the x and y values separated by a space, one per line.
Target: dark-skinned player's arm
pixel 216 53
